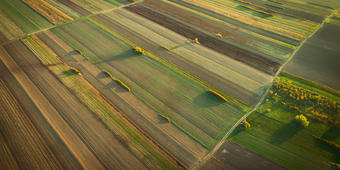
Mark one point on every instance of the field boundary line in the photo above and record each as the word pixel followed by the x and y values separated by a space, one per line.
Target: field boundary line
pixel 219 144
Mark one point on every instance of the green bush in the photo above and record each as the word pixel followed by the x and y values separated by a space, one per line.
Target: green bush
pixel 302 120
pixel 246 124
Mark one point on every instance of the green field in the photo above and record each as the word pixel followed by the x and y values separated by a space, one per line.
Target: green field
pixel 277 136
pixel 129 136
pixel 201 115
pixel 23 16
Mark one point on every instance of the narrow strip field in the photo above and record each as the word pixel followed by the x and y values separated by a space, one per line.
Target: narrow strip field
pixel 232 77
pixel 53 141
pixel 186 103
pixel 25 18
pixel 172 139
pixel 81 11
pixel 132 149
pixel 51 13
pixel 14 122
pixel 64 131
pixel 230 50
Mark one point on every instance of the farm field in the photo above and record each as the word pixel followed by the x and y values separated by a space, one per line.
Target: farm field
pixel 21 17
pixel 244 82
pixel 277 136
pixel 95 135
pixel 20 117
pixel 233 156
pixel 169 84
pixel 194 104
pixel 308 64
pixel 187 150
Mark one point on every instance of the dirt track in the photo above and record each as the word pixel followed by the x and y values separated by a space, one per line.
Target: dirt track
pixel 92 132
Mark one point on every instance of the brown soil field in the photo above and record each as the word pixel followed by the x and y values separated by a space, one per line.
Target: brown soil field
pixel 64 131
pixel 287 10
pixel 14 122
pixel 232 156
pixel 75 7
pixel 227 86
pixel 185 149
pixel 318 58
pixel 247 57
pixel 237 23
pixel 106 147
pixel 196 21
pixel 3 38
pixel 205 24
pixel 51 13
pixel 7 160
pixel 53 142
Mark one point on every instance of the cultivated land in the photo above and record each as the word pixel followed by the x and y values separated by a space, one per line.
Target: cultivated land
pixel 124 131
pixel 165 84
pixel 22 17
pixel 193 106
pixel 276 135
pixel 308 64
pixel 233 156
pixel 206 64
pixel 186 149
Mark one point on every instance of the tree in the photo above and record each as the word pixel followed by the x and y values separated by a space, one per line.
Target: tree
pixel 246 124
pixel 302 120
pixel 139 50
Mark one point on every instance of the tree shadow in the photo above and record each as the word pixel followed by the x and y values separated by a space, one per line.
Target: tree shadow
pixel 101 75
pixel 236 131
pixel 74 52
pixel 116 86
pixel 286 132
pixel 67 73
pixel 207 99
pixel 161 120
pixel 326 147
pixel 111 85
pixel 331 133
pixel 122 56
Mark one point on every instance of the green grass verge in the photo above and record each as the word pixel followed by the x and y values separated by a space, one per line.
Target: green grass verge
pixel 311 85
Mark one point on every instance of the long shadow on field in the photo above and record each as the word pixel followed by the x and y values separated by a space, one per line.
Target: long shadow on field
pixel 331 149
pixel 207 99
pixel 74 52
pixel 286 132
pixel 332 133
pixel 122 56
pixel 237 130
pixel 114 85
pixel 68 73
pixel 102 75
